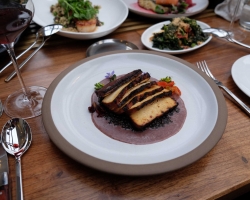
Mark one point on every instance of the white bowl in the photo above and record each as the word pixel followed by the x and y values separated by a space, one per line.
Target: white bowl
pixel 112 13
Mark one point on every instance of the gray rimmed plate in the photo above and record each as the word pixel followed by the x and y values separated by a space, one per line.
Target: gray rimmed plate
pixel 106 45
pixel 68 122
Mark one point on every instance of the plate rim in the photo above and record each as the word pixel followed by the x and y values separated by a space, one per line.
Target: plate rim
pixel 128 169
pixel 233 69
pixel 169 16
pixel 175 51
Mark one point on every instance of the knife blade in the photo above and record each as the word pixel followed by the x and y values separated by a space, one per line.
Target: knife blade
pixel 4 172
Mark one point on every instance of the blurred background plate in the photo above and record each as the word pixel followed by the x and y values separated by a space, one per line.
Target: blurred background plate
pixel 199 6
pixel 148 33
pixel 112 13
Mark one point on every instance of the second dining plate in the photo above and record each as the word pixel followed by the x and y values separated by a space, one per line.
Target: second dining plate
pixel 69 125
pixel 240 72
pixel 112 13
pixel 199 6
pixel 148 33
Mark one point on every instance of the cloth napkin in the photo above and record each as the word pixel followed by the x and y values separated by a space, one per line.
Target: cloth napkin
pixel 226 9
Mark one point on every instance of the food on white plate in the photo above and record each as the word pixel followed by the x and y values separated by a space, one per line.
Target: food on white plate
pixel 138 105
pixel 76 15
pixel 166 6
pixel 181 33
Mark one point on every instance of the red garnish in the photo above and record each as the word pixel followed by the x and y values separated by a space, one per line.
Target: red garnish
pixel 15 145
pixel 176 90
pixel 170 86
pixel 165 84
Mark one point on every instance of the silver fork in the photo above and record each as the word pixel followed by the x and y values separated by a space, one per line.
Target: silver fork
pixel 203 66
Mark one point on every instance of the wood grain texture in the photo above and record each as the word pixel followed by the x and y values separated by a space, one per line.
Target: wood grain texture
pixel 50 174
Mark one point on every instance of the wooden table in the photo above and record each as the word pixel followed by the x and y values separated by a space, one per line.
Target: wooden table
pixel 50 174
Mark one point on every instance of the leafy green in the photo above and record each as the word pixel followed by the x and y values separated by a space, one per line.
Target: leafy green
pixel 176 37
pixel 98 86
pixel 79 9
pixel 167 79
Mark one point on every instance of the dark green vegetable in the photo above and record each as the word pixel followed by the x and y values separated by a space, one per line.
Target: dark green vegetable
pixel 176 37
pixel 98 86
pixel 79 9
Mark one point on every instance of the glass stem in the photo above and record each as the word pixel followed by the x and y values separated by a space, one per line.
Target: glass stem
pixel 234 15
pixel 11 52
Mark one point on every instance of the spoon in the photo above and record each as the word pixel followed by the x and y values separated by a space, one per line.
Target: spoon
pixel 16 138
pixel 223 34
pixel 45 31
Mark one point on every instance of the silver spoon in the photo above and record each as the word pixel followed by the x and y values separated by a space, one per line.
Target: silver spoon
pixel 45 31
pixel 16 138
pixel 224 34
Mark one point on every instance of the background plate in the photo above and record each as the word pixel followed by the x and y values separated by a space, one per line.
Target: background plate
pixel 148 33
pixel 240 73
pixel 200 5
pixel 68 122
pixel 112 13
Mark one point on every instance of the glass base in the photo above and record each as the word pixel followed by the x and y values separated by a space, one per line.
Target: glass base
pixel 17 104
pixel 235 32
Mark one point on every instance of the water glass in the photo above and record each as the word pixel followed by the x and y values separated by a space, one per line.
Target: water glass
pixel 245 14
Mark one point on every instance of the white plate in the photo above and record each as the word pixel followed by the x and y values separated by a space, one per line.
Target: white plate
pixel 68 122
pixel 112 13
pixel 240 72
pixel 199 6
pixel 148 33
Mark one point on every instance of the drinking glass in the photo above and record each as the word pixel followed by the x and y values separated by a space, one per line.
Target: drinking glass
pixel 14 19
pixel 240 21
pixel 245 14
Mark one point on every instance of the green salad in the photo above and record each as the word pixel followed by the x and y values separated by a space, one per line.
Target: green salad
pixel 181 33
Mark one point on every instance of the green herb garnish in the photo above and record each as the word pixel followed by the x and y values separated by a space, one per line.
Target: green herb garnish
pixel 98 86
pixel 79 9
pixel 167 79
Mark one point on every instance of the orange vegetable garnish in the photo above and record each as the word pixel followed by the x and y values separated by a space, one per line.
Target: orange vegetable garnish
pixel 166 84
pixel 170 85
pixel 176 90
pixel 167 2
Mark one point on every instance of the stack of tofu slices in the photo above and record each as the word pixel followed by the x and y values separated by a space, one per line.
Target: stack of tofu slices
pixel 139 97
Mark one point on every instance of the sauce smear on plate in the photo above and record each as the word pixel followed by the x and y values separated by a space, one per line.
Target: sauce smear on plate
pixel 120 128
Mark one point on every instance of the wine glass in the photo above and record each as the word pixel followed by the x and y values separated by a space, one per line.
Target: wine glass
pixel 235 29
pixel 14 19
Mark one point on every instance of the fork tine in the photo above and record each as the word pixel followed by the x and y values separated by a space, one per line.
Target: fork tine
pixel 202 67
pixel 208 72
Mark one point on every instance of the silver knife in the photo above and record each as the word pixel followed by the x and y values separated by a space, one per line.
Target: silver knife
pixel 4 173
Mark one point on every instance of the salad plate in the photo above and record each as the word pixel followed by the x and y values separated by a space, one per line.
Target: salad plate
pixel 240 72
pixel 199 6
pixel 148 33
pixel 69 124
pixel 112 20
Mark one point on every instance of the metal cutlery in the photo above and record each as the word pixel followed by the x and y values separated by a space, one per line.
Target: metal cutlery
pixel 46 31
pixel 203 66
pixel 16 138
pixel 224 34
pixel 4 174
pixel 37 36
